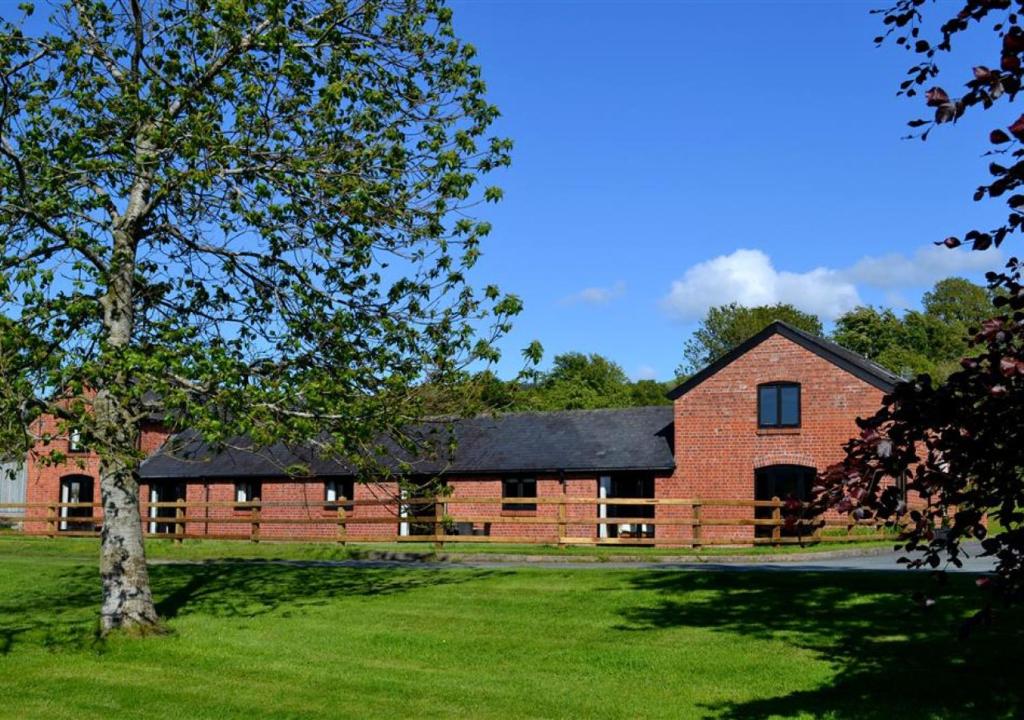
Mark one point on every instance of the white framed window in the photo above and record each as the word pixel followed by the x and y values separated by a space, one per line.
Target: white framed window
pixel 336 490
pixel 246 492
pixel 75 441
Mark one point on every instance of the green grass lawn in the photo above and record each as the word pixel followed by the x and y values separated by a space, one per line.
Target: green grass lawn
pixel 287 641
pixel 15 543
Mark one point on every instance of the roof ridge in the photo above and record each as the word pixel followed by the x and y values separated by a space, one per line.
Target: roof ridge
pixel 833 344
pixel 843 358
pixel 566 411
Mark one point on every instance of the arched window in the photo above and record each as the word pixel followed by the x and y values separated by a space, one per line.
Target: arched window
pixel 785 482
pixel 778 405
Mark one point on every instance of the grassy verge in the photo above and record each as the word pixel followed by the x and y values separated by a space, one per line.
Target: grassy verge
pixel 281 641
pixel 11 543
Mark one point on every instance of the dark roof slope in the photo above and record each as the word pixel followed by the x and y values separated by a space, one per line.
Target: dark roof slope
pixel 839 356
pixel 573 440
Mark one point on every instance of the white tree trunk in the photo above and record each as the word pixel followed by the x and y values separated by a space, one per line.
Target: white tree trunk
pixel 127 600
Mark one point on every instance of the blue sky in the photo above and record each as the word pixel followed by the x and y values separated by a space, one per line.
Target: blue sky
pixel 672 155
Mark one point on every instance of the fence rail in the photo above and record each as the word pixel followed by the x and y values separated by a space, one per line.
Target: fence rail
pixel 440 521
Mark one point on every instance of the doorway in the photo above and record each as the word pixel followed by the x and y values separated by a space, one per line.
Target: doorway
pixel 626 486
pixel 76 489
pixel 785 482
pixel 164 493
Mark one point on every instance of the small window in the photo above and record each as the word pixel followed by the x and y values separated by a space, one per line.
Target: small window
pixel 75 441
pixel 778 405
pixel 335 490
pixel 246 492
pixel 519 488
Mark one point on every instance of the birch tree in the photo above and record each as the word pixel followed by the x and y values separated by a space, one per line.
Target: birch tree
pixel 251 217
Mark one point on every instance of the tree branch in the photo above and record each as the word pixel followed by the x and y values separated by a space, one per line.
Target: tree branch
pixel 96 47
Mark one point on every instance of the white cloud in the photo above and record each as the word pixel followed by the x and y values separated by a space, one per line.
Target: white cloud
pixel 596 295
pixel 748 277
pixel 927 265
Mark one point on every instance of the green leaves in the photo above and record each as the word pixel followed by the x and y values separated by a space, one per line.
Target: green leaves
pixel 726 326
pixel 272 197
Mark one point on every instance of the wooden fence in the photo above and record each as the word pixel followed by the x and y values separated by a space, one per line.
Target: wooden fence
pixel 439 526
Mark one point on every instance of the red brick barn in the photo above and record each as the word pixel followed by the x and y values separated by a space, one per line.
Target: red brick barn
pixel 516 460
pixel 761 421
pixel 756 424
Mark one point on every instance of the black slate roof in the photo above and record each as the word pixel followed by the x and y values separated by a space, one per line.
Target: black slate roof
pixel 572 441
pixel 855 364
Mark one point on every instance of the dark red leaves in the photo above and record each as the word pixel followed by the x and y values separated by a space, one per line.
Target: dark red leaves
pixel 945 109
pixel 982 73
pixel 951 242
pixel 991 329
pixel 997 137
pixel 936 97
pixel 1017 129
pixel 1010 366
pixel 1013 41
pixel 998 391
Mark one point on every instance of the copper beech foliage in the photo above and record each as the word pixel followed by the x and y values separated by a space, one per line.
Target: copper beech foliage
pixel 957 447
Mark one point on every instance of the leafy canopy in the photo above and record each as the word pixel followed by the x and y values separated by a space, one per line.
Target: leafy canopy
pixel 959 443
pixel 726 326
pixel 258 213
pixel 930 341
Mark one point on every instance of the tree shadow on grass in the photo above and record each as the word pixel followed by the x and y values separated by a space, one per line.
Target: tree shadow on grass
pixel 250 589
pixel 52 616
pixel 62 613
pixel 891 656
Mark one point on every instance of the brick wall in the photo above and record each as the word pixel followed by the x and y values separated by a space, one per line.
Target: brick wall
pixel 580 519
pixel 717 441
pixel 43 479
pixel 719 445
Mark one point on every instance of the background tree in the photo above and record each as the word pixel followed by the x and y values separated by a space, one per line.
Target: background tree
pixel 868 331
pixel 726 326
pixel 930 341
pixel 958 302
pixel 959 442
pixel 643 393
pixel 255 212
pixel 579 381
pixel 575 381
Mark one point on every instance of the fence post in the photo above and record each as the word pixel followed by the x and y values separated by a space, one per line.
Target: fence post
pixel 695 529
pixel 438 523
pixel 254 529
pixel 777 518
pixel 51 520
pixel 179 520
pixel 562 530
pixel 342 532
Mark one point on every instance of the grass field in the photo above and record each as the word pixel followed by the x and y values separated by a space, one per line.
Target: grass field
pixel 289 641
pixel 13 542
